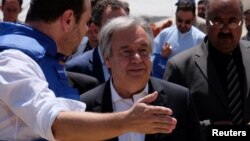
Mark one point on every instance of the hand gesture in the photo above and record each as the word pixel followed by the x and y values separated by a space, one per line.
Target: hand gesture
pixel 150 119
pixel 166 50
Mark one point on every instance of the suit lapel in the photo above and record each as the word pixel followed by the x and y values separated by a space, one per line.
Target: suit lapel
pixel 105 103
pixel 97 66
pixel 245 51
pixel 155 86
pixel 206 67
pixel 104 100
pixel 161 100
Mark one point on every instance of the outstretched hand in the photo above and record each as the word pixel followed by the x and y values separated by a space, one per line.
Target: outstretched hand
pixel 150 119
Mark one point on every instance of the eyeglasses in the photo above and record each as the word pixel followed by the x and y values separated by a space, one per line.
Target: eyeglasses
pixel 219 25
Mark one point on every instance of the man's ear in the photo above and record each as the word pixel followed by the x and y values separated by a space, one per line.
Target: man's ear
pixel 107 61
pixel 67 20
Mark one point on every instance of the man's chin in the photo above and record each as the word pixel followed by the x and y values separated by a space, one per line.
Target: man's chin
pixel 226 48
pixel 183 31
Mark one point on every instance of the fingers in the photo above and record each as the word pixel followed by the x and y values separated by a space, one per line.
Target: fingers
pixel 166 45
pixel 149 98
pixel 165 124
pixel 166 128
pixel 159 110
pixel 151 119
pixel 166 50
pixel 161 119
pixel 154 109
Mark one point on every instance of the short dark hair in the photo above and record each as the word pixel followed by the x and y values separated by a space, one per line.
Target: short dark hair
pixel 201 2
pixel 20 2
pixel 93 2
pixel 185 5
pixel 126 6
pixel 100 6
pixel 51 10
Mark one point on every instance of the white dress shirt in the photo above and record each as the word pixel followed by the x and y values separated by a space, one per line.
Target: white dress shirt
pixel 120 104
pixel 27 106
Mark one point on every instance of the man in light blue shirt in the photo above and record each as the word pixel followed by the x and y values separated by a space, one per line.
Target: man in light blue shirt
pixel 176 39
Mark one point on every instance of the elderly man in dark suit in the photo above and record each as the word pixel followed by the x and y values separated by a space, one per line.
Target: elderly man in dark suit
pixel 217 72
pixel 126 44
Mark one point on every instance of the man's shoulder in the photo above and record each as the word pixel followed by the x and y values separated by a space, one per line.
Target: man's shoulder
pixel 85 55
pixel 196 32
pixel 24 38
pixel 168 30
pixel 187 57
pixel 80 60
pixel 190 52
pixel 245 43
pixel 166 85
pixel 200 20
pixel 92 94
pixel 81 81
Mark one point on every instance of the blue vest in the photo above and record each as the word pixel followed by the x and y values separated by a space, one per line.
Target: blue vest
pixel 43 50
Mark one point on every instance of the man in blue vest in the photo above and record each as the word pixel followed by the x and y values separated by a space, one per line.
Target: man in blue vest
pixel 32 82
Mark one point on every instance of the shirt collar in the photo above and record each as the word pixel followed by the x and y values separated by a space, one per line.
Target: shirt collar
pixel 116 97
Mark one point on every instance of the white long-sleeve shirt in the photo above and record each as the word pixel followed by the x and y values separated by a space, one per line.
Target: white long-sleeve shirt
pixel 27 106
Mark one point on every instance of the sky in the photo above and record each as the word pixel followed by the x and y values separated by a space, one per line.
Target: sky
pixel 156 9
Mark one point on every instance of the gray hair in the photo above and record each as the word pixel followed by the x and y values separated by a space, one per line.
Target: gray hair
pixel 117 24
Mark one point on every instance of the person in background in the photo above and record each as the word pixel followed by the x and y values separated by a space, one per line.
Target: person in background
pixel 157 29
pixel 247 25
pixel 90 41
pixel 176 39
pixel 91 62
pixel 126 6
pixel 246 5
pixel 199 22
pixel 207 69
pixel 201 10
pixel 31 78
pixel 11 9
pixel 126 45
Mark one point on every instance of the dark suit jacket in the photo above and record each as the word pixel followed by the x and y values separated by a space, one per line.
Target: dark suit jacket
pixel 88 63
pixel 170 95
pixel 195 70
pixel 81 81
